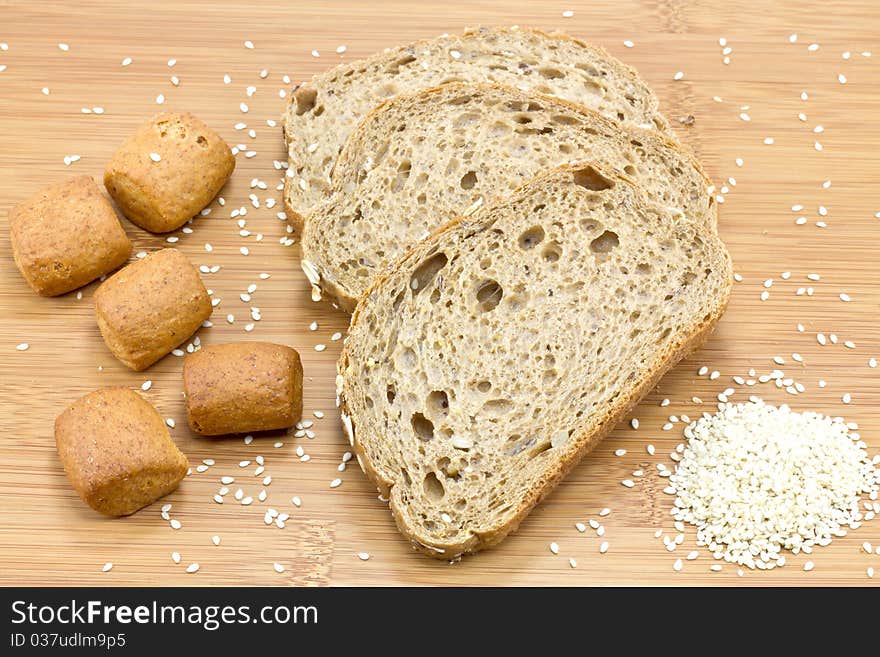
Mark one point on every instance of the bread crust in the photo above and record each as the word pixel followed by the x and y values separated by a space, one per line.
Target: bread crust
pixel 150 307
pixel 240 387
pixel 161 196
pixel 117 451
pixel 65 236
pixel 577 446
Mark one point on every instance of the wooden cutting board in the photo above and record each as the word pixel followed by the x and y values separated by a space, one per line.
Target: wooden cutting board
pixel 47 536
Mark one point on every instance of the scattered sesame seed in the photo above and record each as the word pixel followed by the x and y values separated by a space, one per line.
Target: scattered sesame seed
pixel 215 540
pixel 554 548
pixel 107 567
pixel 603 547
pixel 192 568
pixel 63 47
pixel 278 567
pixel 678 75
pixel 155 157
pixel 175 523
pixel 568 13
pixel 363 556
pixel 320 347
pixel 628 44
pixel 628 483
pixel 808 566
pixel 175 557
pixel 336 483
pixel 249 45
pixel 677 565
pixel 24 346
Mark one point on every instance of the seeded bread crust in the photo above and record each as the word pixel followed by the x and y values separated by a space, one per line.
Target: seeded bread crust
pixel 419 160
pixel 411 447
pixel 322 113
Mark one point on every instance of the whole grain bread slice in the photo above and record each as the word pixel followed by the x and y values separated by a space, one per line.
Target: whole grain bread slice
pixel 323 112
pixel 483 365
pixel 419 160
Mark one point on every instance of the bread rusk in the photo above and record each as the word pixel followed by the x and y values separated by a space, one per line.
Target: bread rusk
pixel 481 366
pixel 240 387
pixel 151 306
pixel 168 170
pixel 117 452
pixel 65 236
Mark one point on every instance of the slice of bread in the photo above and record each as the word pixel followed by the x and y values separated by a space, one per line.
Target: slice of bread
pixel 419 160
pixel 484 364
pixel 322 113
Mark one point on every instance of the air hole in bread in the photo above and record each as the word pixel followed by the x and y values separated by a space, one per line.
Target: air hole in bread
pixel 550 73
pixel 522 119
pixel 591 179
pixel 433 488
pixel 497 407
pixel 489 294
pixel 548 377
pixel 468 180
pixel 438 403
pixel 484 386
pixel 589 69
pixel 201 141
pixel 644 268
pixel 531 238
pixel 390 393
pixel 665 334
pixel 400 179
pixel 688 277
pixel 605 243
pixel 458 100
pixel 629 169
pixel 394 68
pixel 426 271
pixel 423 427
pixel 562 119
pixel 552 252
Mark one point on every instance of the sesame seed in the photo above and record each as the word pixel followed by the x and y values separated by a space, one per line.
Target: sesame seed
pixel 63 47
pixel 634 423
pixel 278 567
pixel 341 49
pixel 320 347
pixel 568 13
pixel 677 565
pixel 619 452
pixel 628 483
pixel 175 557
pixel 363 556
pixel 841 78
pixel 192 568
pixel 175 524
pixel 554 548
pixel 808 566
pixel 336 483
pixel 678 75
pixel 628 44
pixel 155 157
pixel 249 45
pixel 572 562
pixel 107 567
pixel 24 346
pixel 215 540
pixel 603 547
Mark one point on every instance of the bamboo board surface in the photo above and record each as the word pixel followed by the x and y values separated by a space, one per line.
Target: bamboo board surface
pixel 47 536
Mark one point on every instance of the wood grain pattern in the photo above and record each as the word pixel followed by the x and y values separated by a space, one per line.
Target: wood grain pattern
pixel 47 536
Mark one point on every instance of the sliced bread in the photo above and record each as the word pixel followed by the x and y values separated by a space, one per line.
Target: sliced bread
pixel 421 159
pixel 483 365
pixel 322 113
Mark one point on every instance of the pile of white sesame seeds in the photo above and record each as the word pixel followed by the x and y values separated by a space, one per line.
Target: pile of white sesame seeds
pixel 756 479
